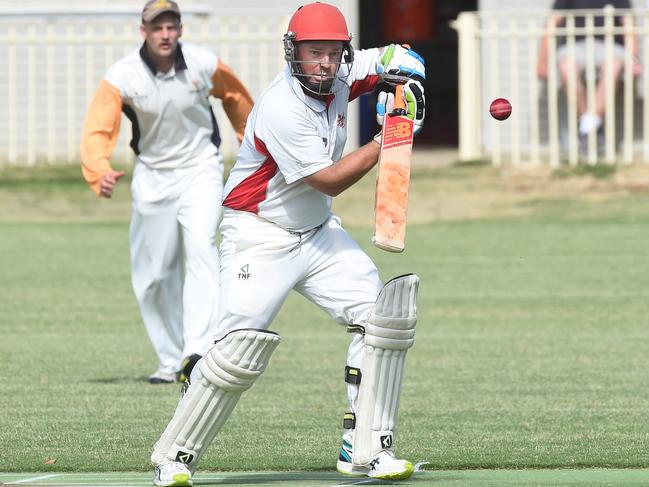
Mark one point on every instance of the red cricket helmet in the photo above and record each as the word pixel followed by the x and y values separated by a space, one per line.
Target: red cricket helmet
pixel 317 22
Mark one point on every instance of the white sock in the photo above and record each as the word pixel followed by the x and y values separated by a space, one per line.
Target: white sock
pixel 589 122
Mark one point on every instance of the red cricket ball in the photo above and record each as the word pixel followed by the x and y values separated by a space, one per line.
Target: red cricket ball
pixel 500 109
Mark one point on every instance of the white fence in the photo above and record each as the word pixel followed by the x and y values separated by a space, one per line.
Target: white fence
pixel 55 60
pixel 498 53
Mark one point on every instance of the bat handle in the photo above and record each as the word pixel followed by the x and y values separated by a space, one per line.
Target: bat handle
pixel 399 101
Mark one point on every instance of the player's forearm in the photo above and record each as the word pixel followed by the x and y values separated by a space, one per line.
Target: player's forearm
pixel 543 50
pixel 633 39
pixel 336 178
pixel 100 133
pixel 236 99
pixel 544 47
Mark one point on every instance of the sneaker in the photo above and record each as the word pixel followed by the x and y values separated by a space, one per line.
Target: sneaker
pixel 383 466
pixel 187 367
pixel 162 377
pixel 173 474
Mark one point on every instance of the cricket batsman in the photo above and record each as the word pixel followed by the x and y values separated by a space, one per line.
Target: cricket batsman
pixel 278 235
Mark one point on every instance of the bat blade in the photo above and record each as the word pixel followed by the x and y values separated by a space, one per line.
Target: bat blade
pixel 393 182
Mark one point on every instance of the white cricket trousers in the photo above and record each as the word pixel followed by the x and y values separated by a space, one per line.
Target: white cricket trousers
pixel 262 262
pixel 174 258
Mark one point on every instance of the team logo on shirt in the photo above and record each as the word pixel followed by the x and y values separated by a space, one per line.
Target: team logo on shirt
pixel 244 275
pixel 324 139
pixel 340 121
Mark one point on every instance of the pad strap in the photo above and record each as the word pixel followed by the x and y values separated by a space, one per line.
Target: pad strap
pixel 352 375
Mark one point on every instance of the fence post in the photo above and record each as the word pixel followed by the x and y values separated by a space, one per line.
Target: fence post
pixel 645 88
pixel 514 73
pixel 12 122
pixel 609 81
pixel 591 83
pixel 628 90
pixel 553 96
pixel 469 76
pixel 573 141
pixel 535 138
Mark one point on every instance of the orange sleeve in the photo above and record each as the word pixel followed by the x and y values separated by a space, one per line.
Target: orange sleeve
pixel 237 102
pixel 100 133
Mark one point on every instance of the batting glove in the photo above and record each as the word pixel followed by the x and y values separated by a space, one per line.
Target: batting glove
pixel 413 93
pixel 399 64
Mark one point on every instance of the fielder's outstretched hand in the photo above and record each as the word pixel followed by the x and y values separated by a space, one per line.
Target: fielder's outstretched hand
pixel 108 181
pixel 413 93
pixel 399 64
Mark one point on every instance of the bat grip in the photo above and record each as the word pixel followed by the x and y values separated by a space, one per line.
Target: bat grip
pixel 399 101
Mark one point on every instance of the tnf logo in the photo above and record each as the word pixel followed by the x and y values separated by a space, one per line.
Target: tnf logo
pixel 245 272
pixel 386 441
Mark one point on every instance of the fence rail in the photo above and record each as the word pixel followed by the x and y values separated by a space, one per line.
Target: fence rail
pixel 54 64
pixel 498 54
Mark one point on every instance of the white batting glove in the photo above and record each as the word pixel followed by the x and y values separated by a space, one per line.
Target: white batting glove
pixel 399 64
pixel 413 93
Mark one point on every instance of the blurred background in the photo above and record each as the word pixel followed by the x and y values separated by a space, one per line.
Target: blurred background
pixel 55 53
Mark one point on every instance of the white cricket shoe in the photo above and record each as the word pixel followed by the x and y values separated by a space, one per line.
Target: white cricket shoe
pixel 383 466
pixel 173 474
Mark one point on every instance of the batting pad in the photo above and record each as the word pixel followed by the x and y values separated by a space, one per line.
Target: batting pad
pixel 389 333
pixel 229 368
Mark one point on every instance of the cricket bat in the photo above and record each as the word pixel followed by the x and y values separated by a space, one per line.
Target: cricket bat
pixel 393 179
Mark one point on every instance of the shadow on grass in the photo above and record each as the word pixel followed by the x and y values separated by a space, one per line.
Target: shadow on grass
pixel 123 380
pixel 294 478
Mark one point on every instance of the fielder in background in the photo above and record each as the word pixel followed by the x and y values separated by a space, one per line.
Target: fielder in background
pixel 588 121
pixel 163 88
pixel 278 235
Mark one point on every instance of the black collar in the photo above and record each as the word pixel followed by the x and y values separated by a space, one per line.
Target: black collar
pixel 179 63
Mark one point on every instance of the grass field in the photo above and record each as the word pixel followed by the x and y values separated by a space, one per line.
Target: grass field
pixel 531 347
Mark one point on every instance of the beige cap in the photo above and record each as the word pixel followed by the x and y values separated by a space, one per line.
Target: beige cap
pixel 153 8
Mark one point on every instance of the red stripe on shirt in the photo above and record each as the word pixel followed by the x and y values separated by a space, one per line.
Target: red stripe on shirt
pixel 247 195
pixel 362 86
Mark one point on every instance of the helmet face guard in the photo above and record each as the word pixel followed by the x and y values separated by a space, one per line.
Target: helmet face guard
pixel 318 22
pixel 325 86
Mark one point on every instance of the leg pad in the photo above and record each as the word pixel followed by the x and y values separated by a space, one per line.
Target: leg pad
pixel 228 369
pixel 389 333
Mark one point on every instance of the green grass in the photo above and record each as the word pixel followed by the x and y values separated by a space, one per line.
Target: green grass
pixel 530 350
pixel 436 478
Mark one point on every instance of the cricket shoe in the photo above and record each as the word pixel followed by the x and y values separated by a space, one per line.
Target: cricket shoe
pixel 383 466
pixel 173 474
pixel 162 377
pixel 187 366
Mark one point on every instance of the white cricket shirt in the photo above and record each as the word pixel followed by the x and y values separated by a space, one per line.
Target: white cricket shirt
pixel 173 123
pixel 288 136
